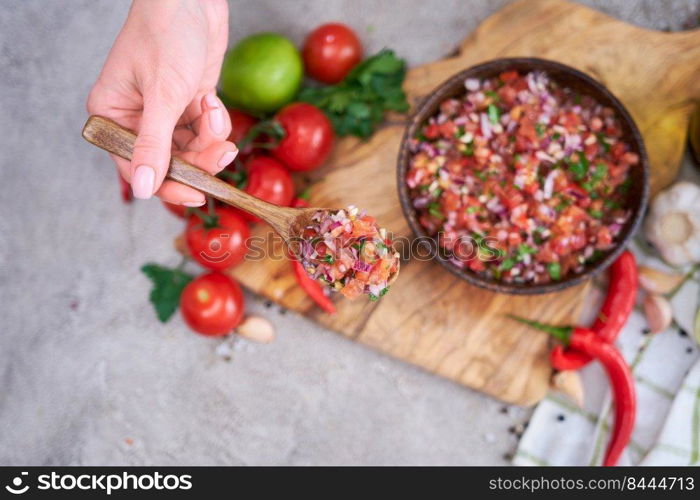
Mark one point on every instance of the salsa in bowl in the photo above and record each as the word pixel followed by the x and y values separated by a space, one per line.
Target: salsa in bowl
pixel 527 175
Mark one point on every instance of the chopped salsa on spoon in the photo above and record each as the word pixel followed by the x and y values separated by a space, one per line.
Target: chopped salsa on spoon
pixel 346 250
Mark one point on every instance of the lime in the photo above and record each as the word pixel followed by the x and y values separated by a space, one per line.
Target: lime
pixel 261 73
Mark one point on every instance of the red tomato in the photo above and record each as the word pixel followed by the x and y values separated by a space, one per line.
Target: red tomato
pixel 212 304
pixel 269 181
pixel 218 247
pixel 308 139
pixel 125 190
pixel 174 209
pixel 330 52
pixel 240 125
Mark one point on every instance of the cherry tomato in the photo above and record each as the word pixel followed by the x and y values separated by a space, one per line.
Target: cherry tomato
pixel 300 203
pixel 218 247
pixel 330 52
pixel 212 304
pixel 308 139
pixel 179 210
pixel 240 125
pixel 269 181
pixel 125 190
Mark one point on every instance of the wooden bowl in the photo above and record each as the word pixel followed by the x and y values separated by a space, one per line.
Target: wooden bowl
pixel 565 76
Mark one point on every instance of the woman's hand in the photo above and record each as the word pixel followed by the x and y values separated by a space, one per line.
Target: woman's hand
pixel 159 80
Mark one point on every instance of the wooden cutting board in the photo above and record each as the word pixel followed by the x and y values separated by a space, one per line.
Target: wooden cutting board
pixel 432 319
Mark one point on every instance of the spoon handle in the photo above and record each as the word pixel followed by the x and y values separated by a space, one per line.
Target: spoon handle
pixel 108 135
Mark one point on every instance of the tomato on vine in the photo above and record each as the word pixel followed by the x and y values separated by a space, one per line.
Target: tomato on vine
pixel 308 137
pixel 268 180
pixel 241 124
pixel 217 241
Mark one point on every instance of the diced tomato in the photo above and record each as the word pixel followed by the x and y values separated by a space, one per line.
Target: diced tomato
pixel 448 129
pixel 604 238
pixel 449 201
pixel 476 264
pixel 362 227
pixel 507 94
pixel 432 131
pixel 509 76
pixel 352 289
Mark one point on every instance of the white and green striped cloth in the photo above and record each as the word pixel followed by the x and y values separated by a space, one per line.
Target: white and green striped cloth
pixel 666 367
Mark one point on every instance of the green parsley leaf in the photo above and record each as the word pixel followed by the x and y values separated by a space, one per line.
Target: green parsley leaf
pixel 524 249
pixel 625 186
pixel 356 106
pixel 539 128
pixel 603 142
pixel 611 204
pixel 601 170
pixel 434 210
pixel 167 288
pixel 578 168
pixel 494 114
pixel 478 238
pixel 507 265
pixel 554 269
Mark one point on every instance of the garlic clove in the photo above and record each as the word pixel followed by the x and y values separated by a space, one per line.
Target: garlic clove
pixel 257 329
pixel 569 384
pixel 657 310
pixel 659 282
pixel 181 245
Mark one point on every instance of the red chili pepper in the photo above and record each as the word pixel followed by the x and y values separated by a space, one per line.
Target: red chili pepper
pixel 312 287
pixel 618 305
pixel 588 342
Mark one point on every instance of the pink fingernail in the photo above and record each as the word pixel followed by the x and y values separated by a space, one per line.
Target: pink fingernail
pixel 216 114
pixel 143 182
pixel 227 158
pixel 194 203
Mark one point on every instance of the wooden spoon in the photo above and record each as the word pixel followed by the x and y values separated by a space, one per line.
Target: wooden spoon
pixel 286 221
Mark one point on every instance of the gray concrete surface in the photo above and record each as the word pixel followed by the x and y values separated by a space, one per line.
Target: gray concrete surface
pixel 87 374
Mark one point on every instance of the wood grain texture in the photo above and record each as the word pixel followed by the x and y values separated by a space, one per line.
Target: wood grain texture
pixel 431 318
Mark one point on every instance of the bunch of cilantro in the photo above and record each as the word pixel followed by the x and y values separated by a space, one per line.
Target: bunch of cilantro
pixel 356 106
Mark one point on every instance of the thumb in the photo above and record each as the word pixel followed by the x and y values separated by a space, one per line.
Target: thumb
pixel 152 148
